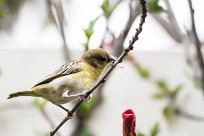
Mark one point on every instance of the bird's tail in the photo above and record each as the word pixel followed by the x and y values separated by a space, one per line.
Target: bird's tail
pixel 22 93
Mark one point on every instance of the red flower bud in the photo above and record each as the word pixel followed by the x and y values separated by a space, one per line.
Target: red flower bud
pixel 129 120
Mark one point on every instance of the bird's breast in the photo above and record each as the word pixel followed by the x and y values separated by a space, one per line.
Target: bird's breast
pixel 85 79
pixel 73 84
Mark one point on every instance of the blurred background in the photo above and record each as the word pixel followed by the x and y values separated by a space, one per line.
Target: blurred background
pixel 162 79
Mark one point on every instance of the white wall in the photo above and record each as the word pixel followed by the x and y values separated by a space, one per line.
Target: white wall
pixel 22 68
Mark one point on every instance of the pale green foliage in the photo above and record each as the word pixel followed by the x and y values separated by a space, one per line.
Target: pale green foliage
pixel 155 7
pixel 169 112
pixel 89 30
pixel 162 85
pixel 143 72
pixel 140 134
pixel 165 91
pixel 176 90
pixel 39 103
pixel 197 83
pixel 153 132
pixel 85 132
pixel 107 8
pixel 2 10
pixel 42 134
pixel 86 107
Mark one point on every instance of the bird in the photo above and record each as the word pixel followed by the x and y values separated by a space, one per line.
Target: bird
pixel 72 80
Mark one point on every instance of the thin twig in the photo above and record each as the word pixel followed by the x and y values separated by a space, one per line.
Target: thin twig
pixel 108 18
pixel 118 43
pixel 197 43
pixel 110 68
pixel 189 116
pixel 48 119
pixel 57 4
pixel 173 21
pixel 170 25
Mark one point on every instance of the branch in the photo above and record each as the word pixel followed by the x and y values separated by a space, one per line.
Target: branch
pixel 110 68
pixel 118 43
pixel 57 4
pixel 197 43
pixel 189 116
pixel 169 28
pixel 170 25
pixel 108 18
pixel 48 119
pixel 173 21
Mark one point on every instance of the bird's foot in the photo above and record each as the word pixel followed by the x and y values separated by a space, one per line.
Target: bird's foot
pixel 86 98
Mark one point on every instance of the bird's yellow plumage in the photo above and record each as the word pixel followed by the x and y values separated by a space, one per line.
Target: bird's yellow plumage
pixel 71 80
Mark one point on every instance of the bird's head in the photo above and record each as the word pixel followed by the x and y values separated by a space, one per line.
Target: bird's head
pixel 97 58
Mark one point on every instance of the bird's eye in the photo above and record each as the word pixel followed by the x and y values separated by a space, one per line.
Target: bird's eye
pixel 101 59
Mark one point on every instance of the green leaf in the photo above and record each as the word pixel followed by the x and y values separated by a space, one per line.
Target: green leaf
pixel 162 84
pixel 169 112
pixel 139 133
pixel 160 95
pixel 89 30
pixel 2 2
pixel 176 90
pixel 143 72
pixel 155 7
pixel 155 130
pixel 2 8
pixel 197 83
pixel 39 103
pixel 107 8
pixel 88 33
pixel 85 132
pixel 2 14
pixel 46 134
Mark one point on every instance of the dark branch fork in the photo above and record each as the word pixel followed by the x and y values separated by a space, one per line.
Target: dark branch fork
pixel 110 68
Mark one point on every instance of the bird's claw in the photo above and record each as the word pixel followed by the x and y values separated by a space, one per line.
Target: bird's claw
pixel 86 98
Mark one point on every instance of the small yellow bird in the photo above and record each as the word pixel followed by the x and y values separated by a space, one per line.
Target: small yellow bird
pixel 72 80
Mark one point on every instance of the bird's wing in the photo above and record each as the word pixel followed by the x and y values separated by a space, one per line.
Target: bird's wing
pixel 68 68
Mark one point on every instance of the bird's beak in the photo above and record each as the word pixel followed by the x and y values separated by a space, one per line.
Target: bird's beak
pixel 112 58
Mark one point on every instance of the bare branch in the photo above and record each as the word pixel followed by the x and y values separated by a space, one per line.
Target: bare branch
pixel 171 26
pixel 189 116
pixel 57 4
pixel 174 22
pixel 107 18
pixel 110 68
pixel 170 29
pixel 118 44
pixel 197 43
pixel 48 119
